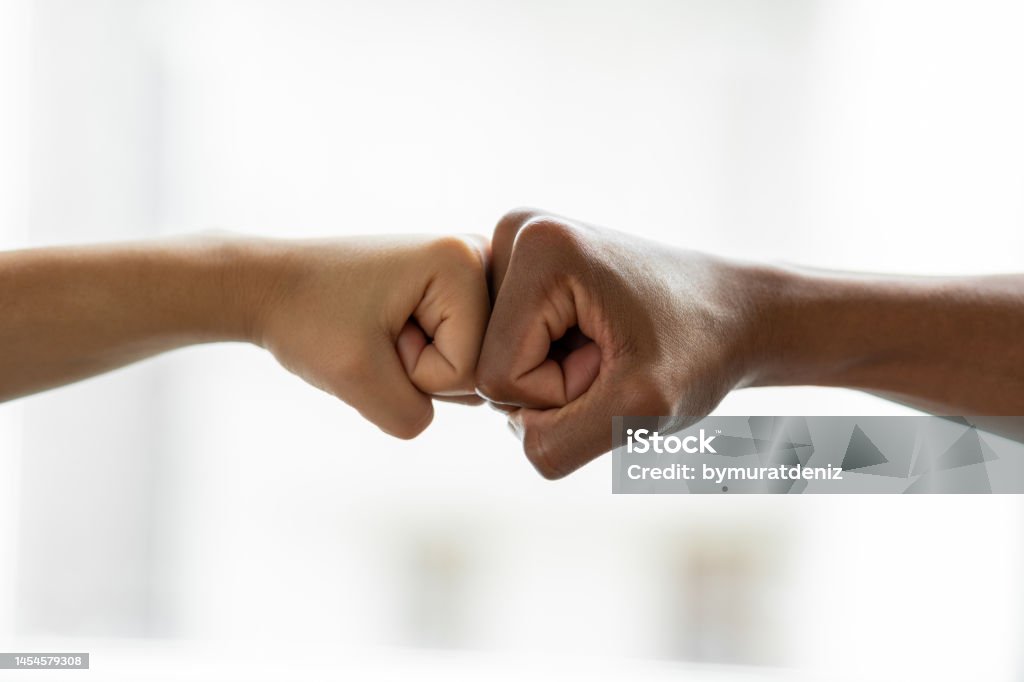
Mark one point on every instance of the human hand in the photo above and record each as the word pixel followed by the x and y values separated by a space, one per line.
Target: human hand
pixel 589 323
pixel 381 323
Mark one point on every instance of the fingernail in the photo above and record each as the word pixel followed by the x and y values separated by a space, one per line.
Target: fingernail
pixel 515 424
pixel 500 407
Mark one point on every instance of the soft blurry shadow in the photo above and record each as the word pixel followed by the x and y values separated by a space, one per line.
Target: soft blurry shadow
pixel 721 587
pixel 436 574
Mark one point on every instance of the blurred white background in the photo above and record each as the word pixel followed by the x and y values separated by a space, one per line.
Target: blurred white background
pixel 210 497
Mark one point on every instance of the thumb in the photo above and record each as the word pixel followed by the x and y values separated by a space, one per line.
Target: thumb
pixel 580 368
pixel 439 346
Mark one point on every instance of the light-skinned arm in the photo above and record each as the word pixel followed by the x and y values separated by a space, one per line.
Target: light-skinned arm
pixel 382 323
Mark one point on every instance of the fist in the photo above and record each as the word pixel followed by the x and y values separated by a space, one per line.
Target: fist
pixel 589 323
pixel 384 324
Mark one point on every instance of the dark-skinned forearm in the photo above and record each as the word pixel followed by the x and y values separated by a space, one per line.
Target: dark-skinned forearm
pixel 946 345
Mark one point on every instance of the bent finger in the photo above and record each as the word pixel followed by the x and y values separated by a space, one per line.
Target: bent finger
pixel 385 396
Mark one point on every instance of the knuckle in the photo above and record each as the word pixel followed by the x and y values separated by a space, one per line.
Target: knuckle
pixel 414 426
pixel 457 249
pixel 526 228
pixel 492 383
pixel 463 378
pixel 546 233
pixel 513 221
pixel 541 456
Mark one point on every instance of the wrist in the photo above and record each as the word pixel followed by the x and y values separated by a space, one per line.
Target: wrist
pixel 771 356
pixel 831 329
pixel 251 280
pixel 753 298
